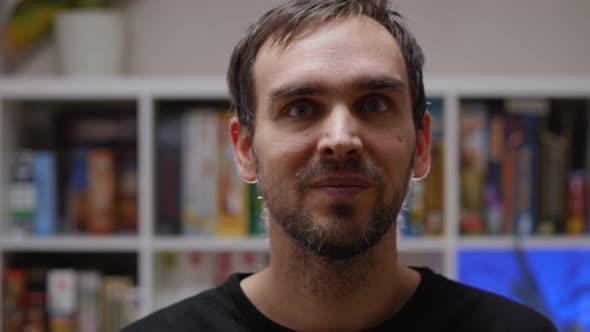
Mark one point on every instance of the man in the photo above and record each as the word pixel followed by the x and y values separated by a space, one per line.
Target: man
pixel 331 122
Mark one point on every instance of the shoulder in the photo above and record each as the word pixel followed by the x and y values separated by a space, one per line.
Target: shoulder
pixel 476 309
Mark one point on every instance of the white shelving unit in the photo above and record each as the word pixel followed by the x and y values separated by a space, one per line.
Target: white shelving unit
pixel 145 93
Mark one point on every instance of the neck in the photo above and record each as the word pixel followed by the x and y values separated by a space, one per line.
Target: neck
pixel 350 294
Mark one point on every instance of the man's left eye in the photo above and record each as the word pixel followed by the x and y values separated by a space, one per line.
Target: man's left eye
pixel 375 104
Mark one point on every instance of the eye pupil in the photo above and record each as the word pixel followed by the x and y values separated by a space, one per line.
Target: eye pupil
pixel 374 105
pixel 299 110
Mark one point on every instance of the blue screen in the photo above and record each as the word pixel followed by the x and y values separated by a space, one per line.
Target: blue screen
pixel 555 282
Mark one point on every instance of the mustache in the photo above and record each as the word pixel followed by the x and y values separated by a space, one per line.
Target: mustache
pixel 325 167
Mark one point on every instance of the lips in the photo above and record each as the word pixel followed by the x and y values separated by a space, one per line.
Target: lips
pixel 341 181
pixel 341 185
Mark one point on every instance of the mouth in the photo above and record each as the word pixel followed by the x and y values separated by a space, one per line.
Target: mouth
pixel 341 186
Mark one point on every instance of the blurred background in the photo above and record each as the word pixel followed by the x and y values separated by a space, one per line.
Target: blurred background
pixel 187 37
pixel 117 189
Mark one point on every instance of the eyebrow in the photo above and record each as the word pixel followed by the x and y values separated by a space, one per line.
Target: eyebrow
pixel 371 83
pixel 364 83
pixel 294 90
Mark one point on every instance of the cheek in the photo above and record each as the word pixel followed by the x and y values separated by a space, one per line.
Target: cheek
pixel 283 154
pixel 392 152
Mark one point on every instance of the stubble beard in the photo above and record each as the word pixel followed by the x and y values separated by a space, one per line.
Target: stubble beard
pixel 345 237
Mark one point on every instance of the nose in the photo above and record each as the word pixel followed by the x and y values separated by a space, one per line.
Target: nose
pixel 340 139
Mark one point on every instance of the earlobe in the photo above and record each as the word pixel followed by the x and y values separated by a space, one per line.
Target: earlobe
pixel 242 146
pixel 422 154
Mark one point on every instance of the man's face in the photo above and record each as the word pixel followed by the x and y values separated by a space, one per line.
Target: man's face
pixel 334 144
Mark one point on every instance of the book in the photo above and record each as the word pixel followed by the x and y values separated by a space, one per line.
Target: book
pixel 525 115
pixel 554 165
pixel 101 191
pixel 89 301
pixel 493 207
pixel 44 179
pixel 77 192
pixel 35 313
pixel 61 302
pixel 114 308
pixel 231 190
pixel 199 172
pixel 256 218
pixel 126 191
pixel 82 133
pixel 576 219
pixel 168 170
pixel 132 305
pixel 473 158
pixel 14 292
pixel 433 183
pixel 22 194
pixel 416 209
pixel 577 215
pixel 35 316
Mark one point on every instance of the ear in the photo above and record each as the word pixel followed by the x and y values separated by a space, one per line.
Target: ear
pixel 242 145
pixel 422 153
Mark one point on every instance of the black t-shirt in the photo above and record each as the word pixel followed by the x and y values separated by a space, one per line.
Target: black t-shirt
pixel 438 304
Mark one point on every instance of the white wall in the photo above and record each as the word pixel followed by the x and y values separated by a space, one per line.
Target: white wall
pixel 465 37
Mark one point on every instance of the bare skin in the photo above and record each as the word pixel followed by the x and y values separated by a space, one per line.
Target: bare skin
pixel 338 118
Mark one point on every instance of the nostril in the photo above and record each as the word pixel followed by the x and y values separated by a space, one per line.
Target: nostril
pixel 329 151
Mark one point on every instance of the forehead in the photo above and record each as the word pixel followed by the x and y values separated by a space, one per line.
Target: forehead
pixel 333 55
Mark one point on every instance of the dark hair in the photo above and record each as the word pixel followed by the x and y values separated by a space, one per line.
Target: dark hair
pixel 281 24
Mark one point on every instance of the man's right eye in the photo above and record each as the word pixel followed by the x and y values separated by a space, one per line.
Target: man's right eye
pixel 299 110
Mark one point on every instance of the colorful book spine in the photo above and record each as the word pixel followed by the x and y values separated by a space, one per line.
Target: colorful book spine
pixel 577 217
pixel 553 191
pixel 473 161
pixel 526 180
pixel 232 191
pixel 114 296
pixel 169 142
pixel 509 161
pixel 77 210
pixel 127 186
pixel 256 219
pixel 433 192
pixel 35 316
pixel 62 295
pixel 101 191
pixel 89 301
pixel 416 209
pixel 44 178
pixel 493 207
pixel 14 290
pixel 22 197
pixel 199 172
pixel 524 137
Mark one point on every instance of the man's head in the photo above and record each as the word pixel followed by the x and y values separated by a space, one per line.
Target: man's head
pixel 281 25
pixel 329 120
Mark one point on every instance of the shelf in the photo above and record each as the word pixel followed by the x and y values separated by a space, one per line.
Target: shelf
pixel 540 242
pixel 119 88
pixel 149 96
pixel 204 244
pixel 112 243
